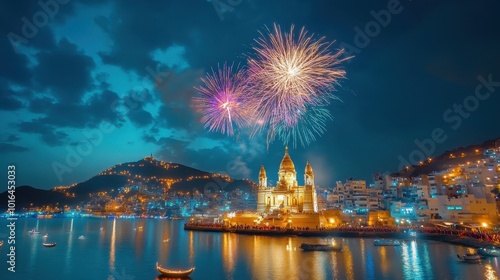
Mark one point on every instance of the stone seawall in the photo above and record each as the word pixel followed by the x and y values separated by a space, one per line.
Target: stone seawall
pixel 453 239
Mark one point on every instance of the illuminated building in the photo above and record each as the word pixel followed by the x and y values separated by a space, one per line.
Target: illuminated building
pixel 287 195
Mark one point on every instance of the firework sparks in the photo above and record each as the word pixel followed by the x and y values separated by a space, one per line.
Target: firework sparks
pixel 310 124
pixel 221 100
pixel 289 76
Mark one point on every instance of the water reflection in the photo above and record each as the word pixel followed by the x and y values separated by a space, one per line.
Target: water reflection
pixel 490 273
pixel 69 245
pixel 112 250
pixel 228 255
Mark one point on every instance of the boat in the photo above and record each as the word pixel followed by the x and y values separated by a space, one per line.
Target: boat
pixel 46 235
pixel 33 231
pixel 174 273
pixel 81 237
pixel 386 242
pixel 49 244
pixel 321 247
pixel 491 251
pixel 470 258
pixel 1 243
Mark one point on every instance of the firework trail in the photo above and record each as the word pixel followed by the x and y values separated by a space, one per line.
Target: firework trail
pixel 221 100
pixel 311 123
pixel 288 77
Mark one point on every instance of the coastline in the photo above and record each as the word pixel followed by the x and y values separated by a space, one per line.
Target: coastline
pixel 447 238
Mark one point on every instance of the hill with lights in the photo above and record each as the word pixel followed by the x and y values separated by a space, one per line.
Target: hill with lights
pixel 455 157
pixel 149 172
pixel 145 173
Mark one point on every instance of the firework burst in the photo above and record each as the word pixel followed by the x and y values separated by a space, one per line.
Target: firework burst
pixel 221 100
pixel 289 76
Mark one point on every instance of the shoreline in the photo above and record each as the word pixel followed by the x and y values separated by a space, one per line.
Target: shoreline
pixel 447 238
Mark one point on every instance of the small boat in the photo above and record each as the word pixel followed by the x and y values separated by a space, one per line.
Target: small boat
pixel 386 242
pixel 321 247
pixel 489 251
pixel 470 258
pixel 174 273
pixel 49 244
pixel 81 237
pixel 45 236
pixel 33 231
pixel 1 243
pixel 166 240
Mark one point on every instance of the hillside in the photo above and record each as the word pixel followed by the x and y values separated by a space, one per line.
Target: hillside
pixel 151 172
pixel 26 195
pixel 145 172
pixel 454 157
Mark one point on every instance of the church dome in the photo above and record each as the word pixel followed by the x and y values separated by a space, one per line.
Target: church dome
pixel 287 163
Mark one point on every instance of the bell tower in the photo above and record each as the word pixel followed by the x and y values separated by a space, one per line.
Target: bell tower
pixel 308 175
pixel 262 178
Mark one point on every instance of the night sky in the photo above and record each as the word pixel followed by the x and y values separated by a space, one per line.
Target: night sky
pixel 128 69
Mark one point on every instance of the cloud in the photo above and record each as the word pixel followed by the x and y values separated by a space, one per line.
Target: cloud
pixel 6 148
pixel 48 134
pixel 13 138
pixel 8 102
pixel 99 107
pixel 66 71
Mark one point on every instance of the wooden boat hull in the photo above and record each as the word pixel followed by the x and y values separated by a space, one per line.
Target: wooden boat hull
pixel 320 247
pixel 174 273
pixel 49 244
pixel 470 259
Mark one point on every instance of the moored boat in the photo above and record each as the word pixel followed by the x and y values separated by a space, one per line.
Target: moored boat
pixel 470 258
pixel 174 273
pixel 321 247
pixel 386 242
pixel 1 243
pixel 49 244
pixel 33 231
pixel 489 251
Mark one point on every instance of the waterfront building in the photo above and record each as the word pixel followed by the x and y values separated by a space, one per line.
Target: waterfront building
pixel 287 195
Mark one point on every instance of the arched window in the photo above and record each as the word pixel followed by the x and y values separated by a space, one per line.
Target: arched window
pixel 294 201
pixel 268 201
pixel 274 200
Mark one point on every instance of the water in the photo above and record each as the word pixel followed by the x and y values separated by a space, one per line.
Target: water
pixel 122 251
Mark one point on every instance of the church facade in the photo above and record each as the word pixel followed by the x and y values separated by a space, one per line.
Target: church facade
pixel 287 195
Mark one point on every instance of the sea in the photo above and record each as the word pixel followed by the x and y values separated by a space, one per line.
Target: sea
pixel 128 249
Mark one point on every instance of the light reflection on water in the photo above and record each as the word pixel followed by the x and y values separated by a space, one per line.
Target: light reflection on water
pixel 121 246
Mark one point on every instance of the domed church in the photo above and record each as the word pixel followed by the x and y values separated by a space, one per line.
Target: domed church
pixel 287 195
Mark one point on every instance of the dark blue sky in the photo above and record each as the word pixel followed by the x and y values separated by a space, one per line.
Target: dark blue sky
pixel 87 84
